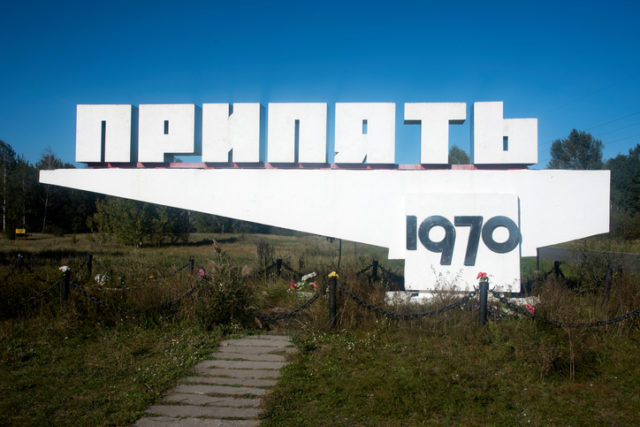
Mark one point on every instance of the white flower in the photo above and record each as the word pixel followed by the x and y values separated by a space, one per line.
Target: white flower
pixel 64 268
pixel 308 276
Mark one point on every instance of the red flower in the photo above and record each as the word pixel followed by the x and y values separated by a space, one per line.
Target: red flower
pixel 531 309
pixel 292 285
pixel 481 275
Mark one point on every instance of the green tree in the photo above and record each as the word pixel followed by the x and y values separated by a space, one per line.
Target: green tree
pixel 137 223
pixel 457 156
pixel 625 194
pixel 579 151
pixel 7 164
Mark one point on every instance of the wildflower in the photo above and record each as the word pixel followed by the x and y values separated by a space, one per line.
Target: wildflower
pixel 201 273
pixel 531 309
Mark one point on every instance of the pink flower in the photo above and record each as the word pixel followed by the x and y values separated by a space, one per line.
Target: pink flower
pixel 531 309
pixel 314 286
pixel 292 285
pixel 201 273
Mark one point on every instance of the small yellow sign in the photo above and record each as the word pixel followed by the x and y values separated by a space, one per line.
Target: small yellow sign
pixel 21 232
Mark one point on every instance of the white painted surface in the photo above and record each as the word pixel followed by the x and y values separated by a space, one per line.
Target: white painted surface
pixel 153 143
pixel 488 132
pixel 117 120
pixel 435 118
pixel 312 137
pixel 377 145
pixel 424 268
pixel 360 205
pixel 238 133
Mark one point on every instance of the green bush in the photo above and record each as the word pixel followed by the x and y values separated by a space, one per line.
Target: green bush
pixel 224 298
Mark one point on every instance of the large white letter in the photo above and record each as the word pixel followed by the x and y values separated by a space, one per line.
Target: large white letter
pixel 103 133
pixel 166 129
pixel 365 132
pixel 297 132
pixel 231 137
pixel 502 141
pixel 435 118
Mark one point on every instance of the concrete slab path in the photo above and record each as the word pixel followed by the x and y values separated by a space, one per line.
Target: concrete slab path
pixel 226 389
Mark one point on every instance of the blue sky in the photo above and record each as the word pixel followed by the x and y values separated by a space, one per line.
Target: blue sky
pixel 569 64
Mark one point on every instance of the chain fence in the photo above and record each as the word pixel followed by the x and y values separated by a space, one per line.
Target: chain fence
pixel 274 317
pixel 407 316
pixel 288 314
pixel 558 323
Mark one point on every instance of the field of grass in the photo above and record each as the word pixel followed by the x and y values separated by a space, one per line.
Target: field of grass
pixel 604 243
pixel 79 364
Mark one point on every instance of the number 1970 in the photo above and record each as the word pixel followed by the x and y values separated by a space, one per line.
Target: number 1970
pixel 447 244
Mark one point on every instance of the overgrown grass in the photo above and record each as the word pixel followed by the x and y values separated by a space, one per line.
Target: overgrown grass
pixel 509 373
pixel 59 371
pixel 80 364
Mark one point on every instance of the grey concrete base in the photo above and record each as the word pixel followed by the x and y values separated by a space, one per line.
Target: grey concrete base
pixel 220 392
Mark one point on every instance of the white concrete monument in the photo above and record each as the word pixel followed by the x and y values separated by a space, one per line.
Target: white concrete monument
pixel 447 222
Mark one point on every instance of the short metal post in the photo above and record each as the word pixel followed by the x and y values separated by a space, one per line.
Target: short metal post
pixel 332 301
pixel 20 261
pixel 484 291
pixel 89 264
pixel 278 266
pixel 192 265
pixel 556 269
pixel 374 274
pixel 538 259
pixel 64 290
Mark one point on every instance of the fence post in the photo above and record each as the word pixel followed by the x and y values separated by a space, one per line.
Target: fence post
pixel 20 261
pixel 332 300
pixel 556 269
pixel 192 264
pixel 278 266
pixel 89 265
pixel 64 290
pixel 484 291
pixel 375 270
pixel 538 259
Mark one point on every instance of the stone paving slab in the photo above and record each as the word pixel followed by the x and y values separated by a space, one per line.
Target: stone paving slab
pixel 219 394
pixel 246 349
pixel 240 364
pixel 247 382
pixel 194 422
pixel 239 373
pixel 203 411
pixel 262 357
pixel 204 400
pixel 219 389
pixel 240 342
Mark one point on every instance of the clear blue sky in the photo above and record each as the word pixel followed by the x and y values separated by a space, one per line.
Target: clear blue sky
pixel 570 64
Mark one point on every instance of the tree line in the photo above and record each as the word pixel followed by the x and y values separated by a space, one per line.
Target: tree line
pixel 44 208
pixel 51 209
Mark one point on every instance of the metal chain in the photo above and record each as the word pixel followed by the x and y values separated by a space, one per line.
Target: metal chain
pixel 406 316
pixel 96 300
pixel 605 322
pixel 391 274
pixel 288 267
pixel 275 317
pixel 179 269
pixel 264 270
pixel 370 266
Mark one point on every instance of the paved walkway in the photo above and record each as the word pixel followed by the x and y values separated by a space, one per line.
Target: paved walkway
pixel 226 390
